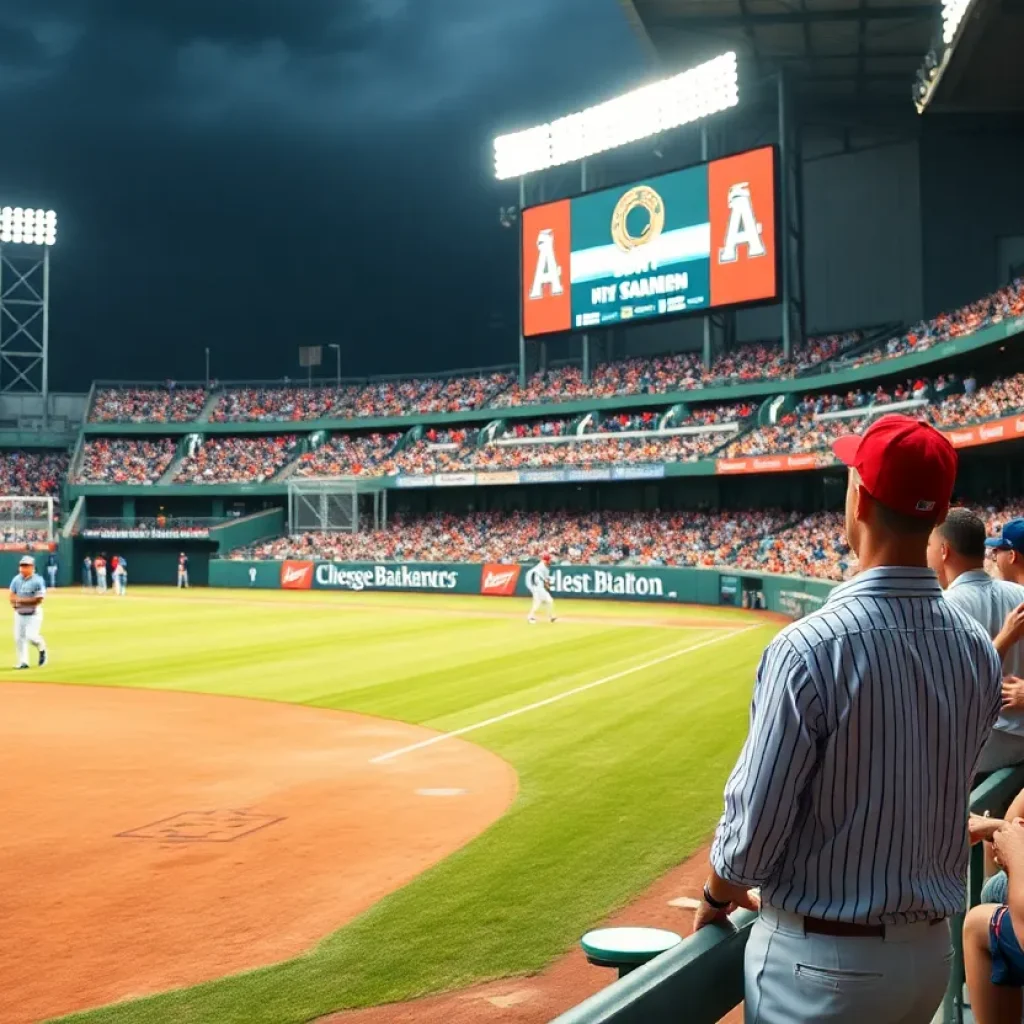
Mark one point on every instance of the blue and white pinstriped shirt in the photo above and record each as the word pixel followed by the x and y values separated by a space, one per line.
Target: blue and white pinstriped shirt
pixel 849 799
pixel 989 601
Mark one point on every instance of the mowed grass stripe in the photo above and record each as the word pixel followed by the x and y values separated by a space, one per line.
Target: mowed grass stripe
pixel 617 784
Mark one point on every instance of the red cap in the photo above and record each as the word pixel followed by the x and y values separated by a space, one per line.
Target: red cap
pixel 545 558
pixel 905 464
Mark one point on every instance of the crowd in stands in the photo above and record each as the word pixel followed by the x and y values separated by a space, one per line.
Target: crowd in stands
pixel 350 401
pixel 346 455
pixel 429 395
pixel 538 428
pixel 273 404
pixel 1000 398
pixel 169 404
pixel 677 372
pixel 755 540
pixel 947 400
pixel 125 460
pixel 690 538
pixel 1004 304
pixel 237 459
pixel 33 472
pixel 457 436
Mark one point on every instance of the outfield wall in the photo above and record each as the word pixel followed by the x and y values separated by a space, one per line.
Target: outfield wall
pixel 790 595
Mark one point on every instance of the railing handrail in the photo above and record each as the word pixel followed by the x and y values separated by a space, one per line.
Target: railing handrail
pixel 704 972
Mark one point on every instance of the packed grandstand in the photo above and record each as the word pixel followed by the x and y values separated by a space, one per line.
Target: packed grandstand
pixel 776 541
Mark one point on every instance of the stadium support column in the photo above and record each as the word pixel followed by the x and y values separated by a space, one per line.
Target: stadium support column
pixel 519 286
pixel 791 215
pixel 25 320
pixel 707 317
pixel 586 337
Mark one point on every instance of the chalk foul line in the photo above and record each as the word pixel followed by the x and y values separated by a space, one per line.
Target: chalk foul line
pixel 442 737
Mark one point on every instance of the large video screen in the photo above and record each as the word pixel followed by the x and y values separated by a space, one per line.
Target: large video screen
pixel 695 239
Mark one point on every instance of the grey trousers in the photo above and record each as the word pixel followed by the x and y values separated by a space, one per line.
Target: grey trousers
pixel 792 977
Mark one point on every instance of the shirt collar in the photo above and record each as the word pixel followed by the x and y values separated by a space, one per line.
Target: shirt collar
pixel 974 576
pixel 889 581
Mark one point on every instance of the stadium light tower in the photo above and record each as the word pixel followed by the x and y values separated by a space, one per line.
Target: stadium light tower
pixel 671 103
pixel 26 237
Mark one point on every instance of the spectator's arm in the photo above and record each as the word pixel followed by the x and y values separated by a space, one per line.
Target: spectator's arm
pixel 763 792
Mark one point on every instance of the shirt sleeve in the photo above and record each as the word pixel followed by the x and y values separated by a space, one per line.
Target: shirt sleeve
pixel 14 585
pixel 40 588
pixel 763 793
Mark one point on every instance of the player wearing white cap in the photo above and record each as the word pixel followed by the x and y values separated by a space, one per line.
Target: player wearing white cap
pixel 538 581
pixel 27 593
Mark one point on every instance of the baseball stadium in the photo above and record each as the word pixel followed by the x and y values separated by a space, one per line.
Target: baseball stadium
pixel 414 697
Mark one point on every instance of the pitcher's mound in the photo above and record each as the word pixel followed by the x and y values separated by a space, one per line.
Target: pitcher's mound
pixel 154 840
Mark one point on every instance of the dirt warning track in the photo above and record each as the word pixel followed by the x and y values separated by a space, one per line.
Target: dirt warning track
pixel 154 840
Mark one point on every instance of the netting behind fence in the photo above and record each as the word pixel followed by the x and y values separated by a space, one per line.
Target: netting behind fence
pixel 323 506
pixel 26 520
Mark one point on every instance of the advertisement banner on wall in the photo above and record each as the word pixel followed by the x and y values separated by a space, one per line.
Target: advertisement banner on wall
pixel 414 481
pixel 296 575
pixel 630 584
pixel 492 479
pixel 499 580
pixel 1006 429
pixel 775 463
pixel 656 471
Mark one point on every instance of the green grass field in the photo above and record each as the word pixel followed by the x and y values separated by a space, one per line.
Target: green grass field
pixel 618 783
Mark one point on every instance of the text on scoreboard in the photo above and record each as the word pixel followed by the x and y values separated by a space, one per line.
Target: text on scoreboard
pixel 698 238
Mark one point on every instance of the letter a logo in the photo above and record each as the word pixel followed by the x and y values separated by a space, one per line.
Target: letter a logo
pixel 743 228
pixel 548 271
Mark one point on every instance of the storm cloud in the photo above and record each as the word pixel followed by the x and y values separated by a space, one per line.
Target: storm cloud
pixel 254 175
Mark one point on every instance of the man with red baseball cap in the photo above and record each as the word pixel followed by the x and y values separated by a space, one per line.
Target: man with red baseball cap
pixel 847 806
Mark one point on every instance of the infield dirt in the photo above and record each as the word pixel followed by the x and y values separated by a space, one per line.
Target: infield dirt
pixel 157 840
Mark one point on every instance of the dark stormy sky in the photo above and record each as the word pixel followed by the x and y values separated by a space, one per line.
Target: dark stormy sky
pixel 254 175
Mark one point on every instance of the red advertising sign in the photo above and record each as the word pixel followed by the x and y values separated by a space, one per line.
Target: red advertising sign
pixel 499 580
pixel 774 463
pixel 296 575
pixel 1005 429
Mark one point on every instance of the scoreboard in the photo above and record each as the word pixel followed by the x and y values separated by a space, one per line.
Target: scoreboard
pixel 695 239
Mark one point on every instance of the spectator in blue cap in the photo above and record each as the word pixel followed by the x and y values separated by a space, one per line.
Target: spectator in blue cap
pixel 1009 550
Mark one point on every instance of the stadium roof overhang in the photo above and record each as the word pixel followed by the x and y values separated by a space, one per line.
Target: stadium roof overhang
pixel 981 70
pixel 842 54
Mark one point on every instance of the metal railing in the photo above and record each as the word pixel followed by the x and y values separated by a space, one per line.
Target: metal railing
pixel 703 975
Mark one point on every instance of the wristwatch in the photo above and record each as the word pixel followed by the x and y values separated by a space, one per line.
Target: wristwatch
pixel 712 902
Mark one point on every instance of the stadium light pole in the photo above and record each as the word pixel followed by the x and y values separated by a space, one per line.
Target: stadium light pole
pixel 337 354
pixel 26 237
pixel 690 96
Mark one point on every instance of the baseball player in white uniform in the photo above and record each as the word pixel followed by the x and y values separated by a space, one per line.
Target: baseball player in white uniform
pixel 538 581
pixel 121 577
pixel 27 593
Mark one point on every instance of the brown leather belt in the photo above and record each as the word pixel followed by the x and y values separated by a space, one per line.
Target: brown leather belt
pixel 848 930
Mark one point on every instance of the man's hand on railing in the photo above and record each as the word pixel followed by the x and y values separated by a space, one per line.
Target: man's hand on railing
pixel 725 898
pixel 1013 693
pixel 981 828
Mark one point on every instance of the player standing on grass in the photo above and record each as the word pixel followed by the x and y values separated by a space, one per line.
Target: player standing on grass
pixel 27 593
pixel 183 570
pixel 538 580
pixel 121 577
pixel 100 565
